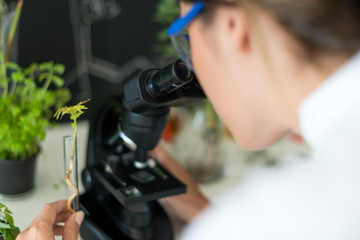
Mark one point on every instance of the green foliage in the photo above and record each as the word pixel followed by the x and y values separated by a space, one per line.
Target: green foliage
pixel 7 228
pixel 28 98
pixel 73 111
pixel 165 13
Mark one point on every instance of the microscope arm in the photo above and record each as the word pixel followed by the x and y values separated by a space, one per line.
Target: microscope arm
pixel 123 183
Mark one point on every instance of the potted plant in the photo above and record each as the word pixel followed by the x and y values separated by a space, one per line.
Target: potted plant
pixel 8 231
pixel 28 98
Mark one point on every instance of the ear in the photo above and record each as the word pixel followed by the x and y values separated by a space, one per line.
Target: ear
pixel 235 29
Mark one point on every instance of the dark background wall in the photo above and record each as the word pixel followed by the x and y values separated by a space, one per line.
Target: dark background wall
pixel 101 42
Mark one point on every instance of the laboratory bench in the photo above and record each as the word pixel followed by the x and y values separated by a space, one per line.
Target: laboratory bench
pixel 49 184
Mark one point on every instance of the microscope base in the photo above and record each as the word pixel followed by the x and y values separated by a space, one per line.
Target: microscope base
pixel 101 224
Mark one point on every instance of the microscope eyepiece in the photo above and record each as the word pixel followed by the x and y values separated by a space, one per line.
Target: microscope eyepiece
pixel 182 72
pixel 169 79
pixel 155 89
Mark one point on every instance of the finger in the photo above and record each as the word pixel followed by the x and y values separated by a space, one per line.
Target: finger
pixel 62 217
pixel 72 226
pixel 51 210
pixel 58 230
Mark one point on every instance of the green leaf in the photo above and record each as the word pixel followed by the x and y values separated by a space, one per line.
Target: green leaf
pixel 7 228
pixel 31 69
pixel 12 65
pixel 58 81
pixel 62 96
pixel 44 76
pixel 33 66
pixel 59 68
pixel 9 218
pixel 17 76
pixel 10 234
pixel 46 66
pixel 15 110
pixel 29 82
pixel 4 225
pixel 15 231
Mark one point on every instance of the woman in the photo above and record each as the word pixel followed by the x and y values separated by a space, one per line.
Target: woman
pixel 270 67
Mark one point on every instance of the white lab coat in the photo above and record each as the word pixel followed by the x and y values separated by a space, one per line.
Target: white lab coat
pixel 314 199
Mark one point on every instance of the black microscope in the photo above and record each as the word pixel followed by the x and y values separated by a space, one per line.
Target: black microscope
pixel 122 181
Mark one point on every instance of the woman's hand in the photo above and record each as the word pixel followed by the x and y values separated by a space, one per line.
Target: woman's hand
pixel 46 225
pixel 186 206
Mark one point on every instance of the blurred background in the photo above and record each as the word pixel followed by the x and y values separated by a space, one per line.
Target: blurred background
pixel 105 42
pixel 101 42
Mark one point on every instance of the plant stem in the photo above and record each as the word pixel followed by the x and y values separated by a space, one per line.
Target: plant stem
pixel 74 112
pixel 69 170
pixel 13 29
pixel 48 81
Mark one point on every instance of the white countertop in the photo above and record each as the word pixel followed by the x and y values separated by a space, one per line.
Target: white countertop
pixel 50 171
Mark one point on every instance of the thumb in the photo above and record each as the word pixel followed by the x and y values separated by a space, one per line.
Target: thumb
pixel 72 226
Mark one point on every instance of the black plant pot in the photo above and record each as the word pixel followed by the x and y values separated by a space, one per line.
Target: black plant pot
pixel 17 176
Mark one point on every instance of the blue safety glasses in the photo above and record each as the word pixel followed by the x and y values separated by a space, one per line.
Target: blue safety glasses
pixel 179 39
